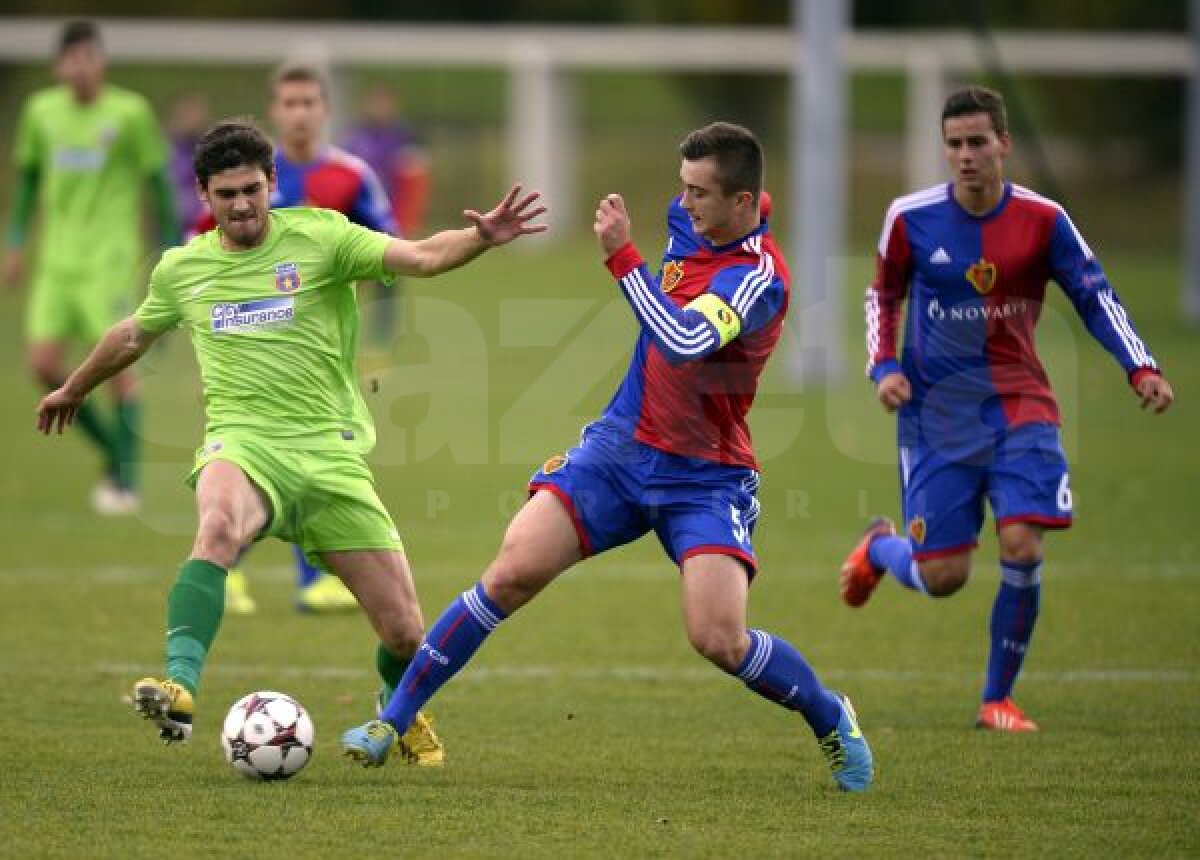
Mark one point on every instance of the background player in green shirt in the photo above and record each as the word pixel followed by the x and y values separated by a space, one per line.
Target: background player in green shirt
pixel 268 299
pixel 83 150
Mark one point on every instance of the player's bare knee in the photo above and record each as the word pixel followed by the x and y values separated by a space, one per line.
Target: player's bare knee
pixel 943 577
pixel 722 648
pixel 402 635
pixel 217 538
pixel 1022 549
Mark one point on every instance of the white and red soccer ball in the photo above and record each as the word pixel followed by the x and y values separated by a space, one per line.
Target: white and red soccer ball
pixel 267 735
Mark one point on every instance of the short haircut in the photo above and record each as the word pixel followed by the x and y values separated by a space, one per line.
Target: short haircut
pixel 76 33
pixel 302 72
pixel 232 143
pixel 737 151
pixel 973 100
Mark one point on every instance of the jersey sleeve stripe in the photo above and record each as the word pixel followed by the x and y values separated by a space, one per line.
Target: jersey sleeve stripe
pixel 753 285
pixel 682 334
pixel 1137 351
pixel 685 341
pixel 904 204
pixel 871 306
pixel 1024 193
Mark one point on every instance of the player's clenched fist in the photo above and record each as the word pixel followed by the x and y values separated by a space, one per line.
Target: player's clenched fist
pixel 894 391
pixel 612 224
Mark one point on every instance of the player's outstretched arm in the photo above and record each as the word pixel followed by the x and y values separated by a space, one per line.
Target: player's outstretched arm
pixel 120 347
pixel 510 219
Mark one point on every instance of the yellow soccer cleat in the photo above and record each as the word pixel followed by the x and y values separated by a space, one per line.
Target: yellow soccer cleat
pixel 237 594
pixel 168 705
pixel 327 594
pixel 420 745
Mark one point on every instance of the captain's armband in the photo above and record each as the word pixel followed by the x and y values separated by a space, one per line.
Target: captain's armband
pixel 723 318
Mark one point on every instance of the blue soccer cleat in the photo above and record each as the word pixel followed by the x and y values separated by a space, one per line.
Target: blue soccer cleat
pixel 847 752
pixel 371 743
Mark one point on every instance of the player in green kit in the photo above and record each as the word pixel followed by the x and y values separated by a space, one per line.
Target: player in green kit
pixel 268 299
pixel 83 150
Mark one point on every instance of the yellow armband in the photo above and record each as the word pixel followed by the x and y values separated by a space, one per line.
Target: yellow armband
pixel 723 318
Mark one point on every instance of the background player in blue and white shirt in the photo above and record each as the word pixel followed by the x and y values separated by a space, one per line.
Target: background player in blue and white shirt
pixel 671 455
pixel 977 419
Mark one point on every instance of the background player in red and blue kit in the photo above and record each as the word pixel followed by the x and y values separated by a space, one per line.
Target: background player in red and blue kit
pixel 671 455
pixel 395 152
pixel 310 172
pixel 978 420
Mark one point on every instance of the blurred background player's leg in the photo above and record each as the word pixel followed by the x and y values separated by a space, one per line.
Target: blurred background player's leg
pixel 319 591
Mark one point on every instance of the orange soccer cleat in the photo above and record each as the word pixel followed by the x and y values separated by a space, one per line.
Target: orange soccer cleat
pixel 859 577
pixel 1004 716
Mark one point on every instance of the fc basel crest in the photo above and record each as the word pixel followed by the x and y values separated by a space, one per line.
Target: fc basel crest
pixel 916 529
pixel 982 276
pixel 672 275
pixel 287 277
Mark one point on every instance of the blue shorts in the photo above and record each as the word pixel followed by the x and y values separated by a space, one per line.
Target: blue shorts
pixel 616 489
pixel 1023 476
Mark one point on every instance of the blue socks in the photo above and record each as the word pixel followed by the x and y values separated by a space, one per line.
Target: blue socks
pixel 777 671
pixel 894 554
pixel 1013 617
pixel 306 574
pixel 446 648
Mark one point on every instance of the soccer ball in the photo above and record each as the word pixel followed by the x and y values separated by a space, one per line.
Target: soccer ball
pixel 267 735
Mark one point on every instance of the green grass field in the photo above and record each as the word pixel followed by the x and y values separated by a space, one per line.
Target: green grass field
pixel 586 727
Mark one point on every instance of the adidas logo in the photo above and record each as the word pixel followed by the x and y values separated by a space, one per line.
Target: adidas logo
pixel 939 257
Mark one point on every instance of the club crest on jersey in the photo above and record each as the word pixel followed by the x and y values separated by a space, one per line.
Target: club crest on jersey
pixel 916 529
pixel 287 277
pixel 672 275
pixel 982 276
pixel 554 464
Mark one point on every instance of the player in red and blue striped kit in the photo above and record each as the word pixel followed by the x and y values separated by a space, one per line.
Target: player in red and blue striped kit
pixel 671 455
pixel 977 419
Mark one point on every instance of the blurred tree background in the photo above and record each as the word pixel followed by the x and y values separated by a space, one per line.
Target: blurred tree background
pixel 1113 143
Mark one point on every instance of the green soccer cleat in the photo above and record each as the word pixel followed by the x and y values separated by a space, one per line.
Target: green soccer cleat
pixel 847 752
pixel 371 743
pixel 168 705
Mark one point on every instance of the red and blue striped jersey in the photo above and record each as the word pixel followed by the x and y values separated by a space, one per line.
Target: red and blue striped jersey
pixel 336 180
pixel 975 286
pixel 691 380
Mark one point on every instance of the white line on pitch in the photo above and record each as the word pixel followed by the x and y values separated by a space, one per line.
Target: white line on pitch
pixel 680 674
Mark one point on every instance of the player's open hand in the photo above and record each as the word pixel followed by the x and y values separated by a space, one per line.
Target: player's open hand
pixel 1155 392
pixel 612 224
pixel 894 391
pixel 57 410
pixel 509 219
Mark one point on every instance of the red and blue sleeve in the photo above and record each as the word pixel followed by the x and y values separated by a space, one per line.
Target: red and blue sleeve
pixel 1077 271
pixel 884 300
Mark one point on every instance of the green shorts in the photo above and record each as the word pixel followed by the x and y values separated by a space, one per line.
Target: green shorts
pixel 64 307
pixel 322 500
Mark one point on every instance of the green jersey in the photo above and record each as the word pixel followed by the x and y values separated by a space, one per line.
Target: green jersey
pixel 92 160
pixel 275 327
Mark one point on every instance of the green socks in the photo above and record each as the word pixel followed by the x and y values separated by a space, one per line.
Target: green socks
pixel 194 609
pixel 391 669
pixel 125 443
pixel 102 436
